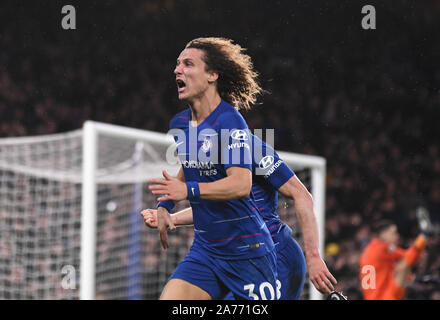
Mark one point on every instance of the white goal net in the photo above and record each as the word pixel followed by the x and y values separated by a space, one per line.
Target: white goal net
pixel 70 226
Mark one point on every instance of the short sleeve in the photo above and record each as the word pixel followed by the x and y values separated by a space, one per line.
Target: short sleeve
pixel 268 164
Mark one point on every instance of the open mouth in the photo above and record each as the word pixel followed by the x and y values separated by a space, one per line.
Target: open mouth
pixel 180 84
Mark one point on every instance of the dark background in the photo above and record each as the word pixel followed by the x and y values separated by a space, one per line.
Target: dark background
pixel 366 100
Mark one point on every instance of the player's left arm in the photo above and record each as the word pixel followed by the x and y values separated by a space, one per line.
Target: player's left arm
pixel 281 177
pixel 237 184
pixel 319 274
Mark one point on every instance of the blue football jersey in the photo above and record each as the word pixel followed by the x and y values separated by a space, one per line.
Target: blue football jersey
pixel 232 229
pixel 270 172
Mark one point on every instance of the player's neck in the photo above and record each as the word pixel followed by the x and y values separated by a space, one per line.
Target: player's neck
pixel 203 106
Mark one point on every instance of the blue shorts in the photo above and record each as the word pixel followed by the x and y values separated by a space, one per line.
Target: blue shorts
pixel 291 267
pixel 246 279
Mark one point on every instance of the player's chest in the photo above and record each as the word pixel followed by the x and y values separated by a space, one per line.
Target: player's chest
pixel 198 152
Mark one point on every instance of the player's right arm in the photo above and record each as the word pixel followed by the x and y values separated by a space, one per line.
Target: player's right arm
pixel 181 218
pixel 161 218
pixel 163 223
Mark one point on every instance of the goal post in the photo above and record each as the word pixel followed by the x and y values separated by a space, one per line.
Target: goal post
pixel 91 132
pixel 73 200
pixel 88 212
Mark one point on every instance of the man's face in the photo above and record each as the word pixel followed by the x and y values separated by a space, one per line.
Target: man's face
pixel 191 76
pixel 390 235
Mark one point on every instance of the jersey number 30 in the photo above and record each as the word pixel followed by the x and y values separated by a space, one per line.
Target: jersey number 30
pixel 263 286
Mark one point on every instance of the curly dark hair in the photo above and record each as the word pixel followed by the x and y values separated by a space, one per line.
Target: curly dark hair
pixel 237 83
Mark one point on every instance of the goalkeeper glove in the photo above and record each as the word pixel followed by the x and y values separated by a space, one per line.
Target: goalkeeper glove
pixel 425 224
pixel 336 295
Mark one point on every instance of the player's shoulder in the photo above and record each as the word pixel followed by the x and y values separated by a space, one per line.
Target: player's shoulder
pixel 263 151
pixel 229 115
pixel 181 119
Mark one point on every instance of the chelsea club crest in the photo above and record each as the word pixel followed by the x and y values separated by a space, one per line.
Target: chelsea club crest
pixel 206 146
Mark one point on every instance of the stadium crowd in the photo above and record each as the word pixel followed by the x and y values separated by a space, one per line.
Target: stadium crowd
pixel 367 102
